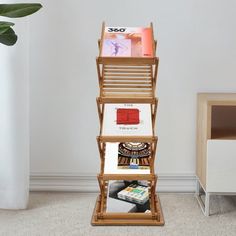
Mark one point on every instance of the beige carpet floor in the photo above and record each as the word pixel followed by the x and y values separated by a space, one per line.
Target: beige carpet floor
pixel 70 213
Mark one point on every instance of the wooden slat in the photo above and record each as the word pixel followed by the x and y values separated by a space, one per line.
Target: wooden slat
pixel 128 78
pixel 106 74
pixel 111 67
pixel 136 95
pixel 128 90
pixel 124 100
pixel 126 86
pixel 127 70
pixel 102 39
pixel 153 41
pixel 127 177
pixel 134 61
pixel 148 72
pixel 115 215
pixel 126 82
pixel 139 139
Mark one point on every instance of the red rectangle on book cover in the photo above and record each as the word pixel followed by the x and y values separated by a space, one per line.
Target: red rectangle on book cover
pixel 127 116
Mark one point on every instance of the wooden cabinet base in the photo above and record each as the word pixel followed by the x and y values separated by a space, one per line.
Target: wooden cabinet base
pixel 128 218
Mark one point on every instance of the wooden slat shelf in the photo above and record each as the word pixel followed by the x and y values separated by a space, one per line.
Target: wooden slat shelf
pixel 128 218
pixel 125 86
pixel 127 177
pixel 127 72
pixel 102 100
pixel 123 61
pixel 128 90
pixel 127 82
pixel 127 96
pixel 127 139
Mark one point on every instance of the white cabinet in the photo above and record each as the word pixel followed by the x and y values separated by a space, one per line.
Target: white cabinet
pixel 216 146
pixel 221 166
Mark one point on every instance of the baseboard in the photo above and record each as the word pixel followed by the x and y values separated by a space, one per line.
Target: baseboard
pixel 63 182
pixel 183 182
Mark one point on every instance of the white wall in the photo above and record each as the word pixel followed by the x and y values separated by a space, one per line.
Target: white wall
pixel 197 50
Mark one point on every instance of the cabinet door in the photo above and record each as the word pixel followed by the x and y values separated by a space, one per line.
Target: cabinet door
pixel 221 166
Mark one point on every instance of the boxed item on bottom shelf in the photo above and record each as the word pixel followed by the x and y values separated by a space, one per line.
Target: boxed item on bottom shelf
pixel 116 204
pixel 134 193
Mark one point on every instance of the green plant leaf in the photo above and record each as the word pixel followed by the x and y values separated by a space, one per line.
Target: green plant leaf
pixel 3 29
pixel 4 26
pixel 6 23
pixel 19 9
pixel 8 38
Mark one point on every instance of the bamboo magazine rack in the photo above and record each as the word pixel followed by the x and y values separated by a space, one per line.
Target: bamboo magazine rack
pixel 127 84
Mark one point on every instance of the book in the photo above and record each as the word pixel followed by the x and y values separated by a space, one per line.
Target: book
pixel 134 155
pixel 113 203
pixel 117 202
pixel 134 193
pixel 143 120
pixel 127 42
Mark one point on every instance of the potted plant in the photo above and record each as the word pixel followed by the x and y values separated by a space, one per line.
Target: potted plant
pixel 7 34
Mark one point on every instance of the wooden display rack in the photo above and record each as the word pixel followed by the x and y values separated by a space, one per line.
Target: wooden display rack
pixel 127 80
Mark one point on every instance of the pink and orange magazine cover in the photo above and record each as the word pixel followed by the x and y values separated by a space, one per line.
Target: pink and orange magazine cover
pixel 127 42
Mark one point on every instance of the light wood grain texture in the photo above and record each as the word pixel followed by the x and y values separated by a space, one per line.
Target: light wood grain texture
pixel 205 129
pixel 127 81
pixel 156 219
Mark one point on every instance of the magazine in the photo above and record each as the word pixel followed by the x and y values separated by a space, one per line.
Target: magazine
pixel 134 155
pixel 127 196
pixel 127 119
pixel 127 42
